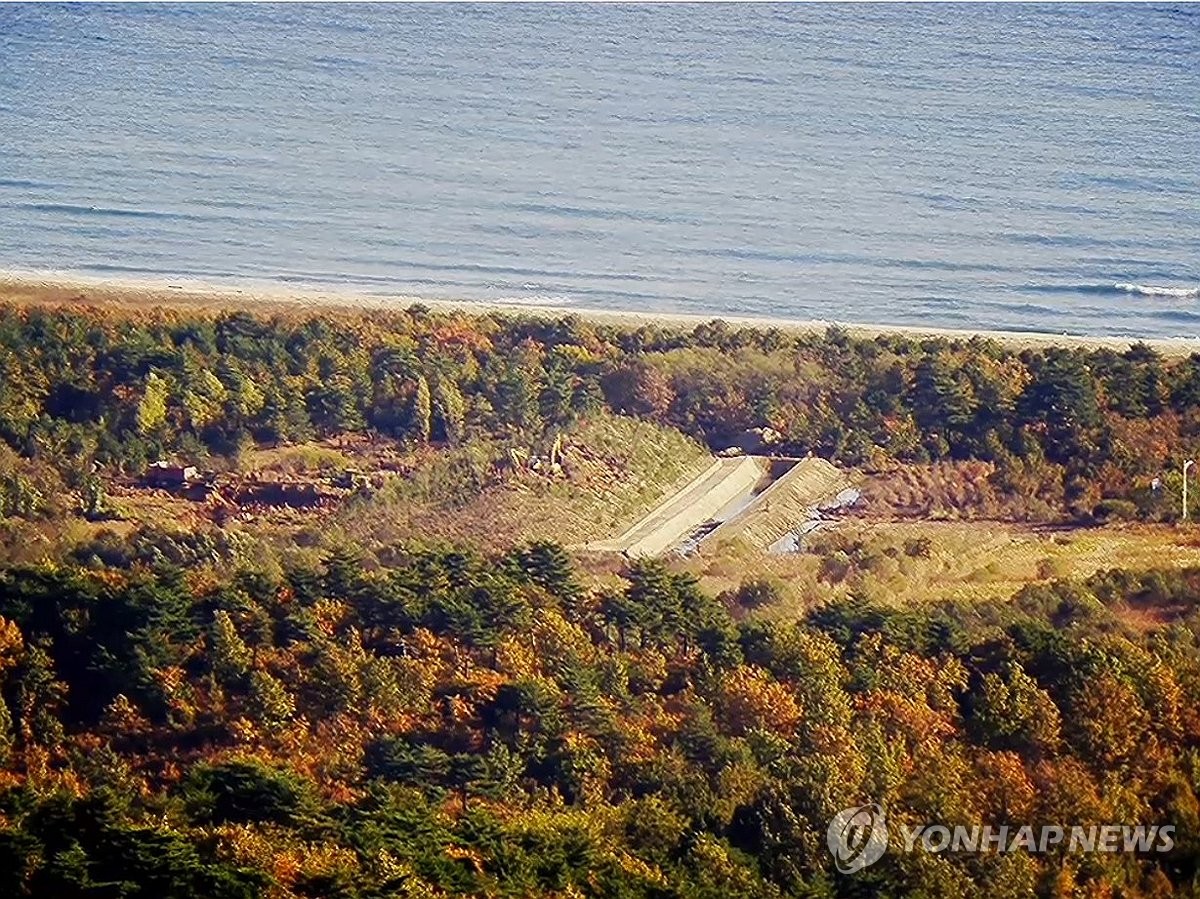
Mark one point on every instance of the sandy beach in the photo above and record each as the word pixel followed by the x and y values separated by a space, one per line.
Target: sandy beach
pixel 61 288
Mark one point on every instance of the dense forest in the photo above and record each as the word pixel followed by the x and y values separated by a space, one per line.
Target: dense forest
pixel 1068 432
pixel 454 724
pixel 179 718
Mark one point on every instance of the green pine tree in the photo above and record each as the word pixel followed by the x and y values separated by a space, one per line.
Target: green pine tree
pixel 270 702
pixel 422 411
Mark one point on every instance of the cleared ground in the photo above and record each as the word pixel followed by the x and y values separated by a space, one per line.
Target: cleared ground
pixel 912 563
pixel 975 560
pixel 612 470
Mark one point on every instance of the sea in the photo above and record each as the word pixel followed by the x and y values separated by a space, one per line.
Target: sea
pixel 1014 167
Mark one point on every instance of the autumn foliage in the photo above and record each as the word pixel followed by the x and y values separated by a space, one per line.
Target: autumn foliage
pixel 452 724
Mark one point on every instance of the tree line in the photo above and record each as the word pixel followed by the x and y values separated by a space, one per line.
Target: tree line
pixel 1084 430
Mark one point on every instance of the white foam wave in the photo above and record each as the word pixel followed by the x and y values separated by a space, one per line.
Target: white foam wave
pixel 1152 290
pixel 549 301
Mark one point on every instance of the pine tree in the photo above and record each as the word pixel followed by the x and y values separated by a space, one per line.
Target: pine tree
pixel 40 698
pixel 1061 399
pixel 463 774
pixel 270 702
pixel 92 498
pixel 230 655
pixel 204 398
pixel 548 565
pixel 152 409
pixel 449 410
pixel 422 411
pixel 654 599
pixel 943 406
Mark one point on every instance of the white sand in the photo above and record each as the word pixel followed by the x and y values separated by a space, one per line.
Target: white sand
pixel 52 288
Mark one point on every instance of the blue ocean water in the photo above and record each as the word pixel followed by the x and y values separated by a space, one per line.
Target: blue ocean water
pixel 974 166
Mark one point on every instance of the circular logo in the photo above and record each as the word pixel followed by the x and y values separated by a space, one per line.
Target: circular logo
pixel 857 837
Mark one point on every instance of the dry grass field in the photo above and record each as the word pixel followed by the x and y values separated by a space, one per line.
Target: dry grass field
pixel 912 562
pixel 614 469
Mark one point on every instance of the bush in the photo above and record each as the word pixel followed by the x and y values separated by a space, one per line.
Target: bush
pixel 1115 510
pixel 754 594
pixel 247 791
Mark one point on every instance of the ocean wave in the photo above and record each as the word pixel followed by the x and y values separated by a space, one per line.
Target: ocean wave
pixel 1152 290
pixel 1129 287
pixel 552 301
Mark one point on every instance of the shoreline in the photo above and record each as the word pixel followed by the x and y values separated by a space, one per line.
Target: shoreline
pixel 56 288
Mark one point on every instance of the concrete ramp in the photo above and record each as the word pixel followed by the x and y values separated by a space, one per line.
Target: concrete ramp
pixel 785 505
pixel 725 482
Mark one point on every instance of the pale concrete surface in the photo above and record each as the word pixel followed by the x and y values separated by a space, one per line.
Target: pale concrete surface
pixel 725 481
pixel 784 505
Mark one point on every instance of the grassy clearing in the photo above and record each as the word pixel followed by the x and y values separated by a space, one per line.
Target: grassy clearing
pixel 989 560
pixel 307 458
pixel 614 469
pixel 913 562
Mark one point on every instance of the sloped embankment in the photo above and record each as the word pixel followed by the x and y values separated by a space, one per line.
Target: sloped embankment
pixel 725 481
pixel 784 505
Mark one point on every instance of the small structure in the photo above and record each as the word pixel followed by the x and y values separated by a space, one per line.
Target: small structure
pixel 302 495
pixel 353 479
pixel 168 476
pixel 754 442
